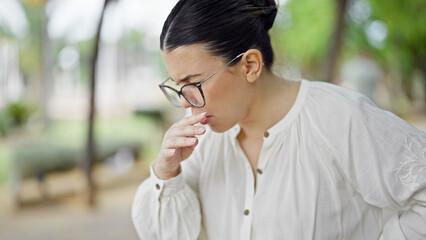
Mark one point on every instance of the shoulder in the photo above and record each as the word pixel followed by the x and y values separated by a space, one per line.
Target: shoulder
pixel 338 95
pixel 329 100
pixel 338 110
pixel 336 113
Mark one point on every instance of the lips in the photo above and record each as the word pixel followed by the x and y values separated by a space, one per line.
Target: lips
pixel 205 120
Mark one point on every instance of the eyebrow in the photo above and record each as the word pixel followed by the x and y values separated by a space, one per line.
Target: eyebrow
pixel 186 78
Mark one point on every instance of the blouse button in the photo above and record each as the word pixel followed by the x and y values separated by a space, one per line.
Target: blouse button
pixel 259 171
pixel 246 212
pixel 157 186
pixel 266 134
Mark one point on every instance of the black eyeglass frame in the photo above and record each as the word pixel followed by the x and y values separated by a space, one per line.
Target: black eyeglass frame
pixel 197 84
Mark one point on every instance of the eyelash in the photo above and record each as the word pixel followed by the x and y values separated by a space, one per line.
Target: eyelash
pixel 194 80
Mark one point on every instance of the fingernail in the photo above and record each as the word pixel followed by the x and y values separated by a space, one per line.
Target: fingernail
pixel 203 114
pixel 192 140
pixel 201 129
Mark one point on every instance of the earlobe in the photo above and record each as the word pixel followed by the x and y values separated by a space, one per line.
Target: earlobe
pixel 254 64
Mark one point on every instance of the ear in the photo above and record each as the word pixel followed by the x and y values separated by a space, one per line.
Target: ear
pixel 253 63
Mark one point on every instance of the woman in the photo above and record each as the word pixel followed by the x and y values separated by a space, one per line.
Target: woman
pixel 279 159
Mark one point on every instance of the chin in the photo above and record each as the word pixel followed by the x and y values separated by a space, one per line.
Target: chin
pixel 219 128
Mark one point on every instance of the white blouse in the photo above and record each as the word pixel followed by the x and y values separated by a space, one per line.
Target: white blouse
pixel 325 171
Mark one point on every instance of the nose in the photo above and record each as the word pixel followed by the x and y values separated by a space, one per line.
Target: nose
pixel 184 103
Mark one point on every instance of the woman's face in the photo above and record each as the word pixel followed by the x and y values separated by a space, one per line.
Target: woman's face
pixel 227 94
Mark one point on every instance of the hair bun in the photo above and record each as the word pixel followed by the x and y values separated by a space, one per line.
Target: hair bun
pixel 269 11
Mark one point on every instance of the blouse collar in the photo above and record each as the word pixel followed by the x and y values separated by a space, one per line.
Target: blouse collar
pixel 272 132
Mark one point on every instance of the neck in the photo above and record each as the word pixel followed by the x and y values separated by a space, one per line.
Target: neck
pixel 273 98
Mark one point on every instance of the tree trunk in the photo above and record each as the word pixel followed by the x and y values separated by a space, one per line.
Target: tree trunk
pixel 336 42
pixel 90 145
pixel 46 67
pixel 422 65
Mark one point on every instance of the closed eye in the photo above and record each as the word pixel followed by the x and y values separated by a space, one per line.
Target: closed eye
pixel 187 79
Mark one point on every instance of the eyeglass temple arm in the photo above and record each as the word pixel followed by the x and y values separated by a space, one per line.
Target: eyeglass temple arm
pixel 162 83
pixel 235 58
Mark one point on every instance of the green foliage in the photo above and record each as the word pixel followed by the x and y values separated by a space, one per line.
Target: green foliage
pixel 30 46
pixel 302 31
pixel 406 25
pixel 109 147
pixel 134 133
pixel 35 159
pixel 303 28
pixel 14 114
pixel 404 48
pixel 19 112
pixel 405 21
pixel 5 123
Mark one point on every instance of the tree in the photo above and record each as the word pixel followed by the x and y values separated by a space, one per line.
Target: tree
pixel 336 41
pixel 91 145
pixel 406 37
pixel 302 32
pixel 308 34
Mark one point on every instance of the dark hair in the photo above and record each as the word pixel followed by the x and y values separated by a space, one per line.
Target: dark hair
pixel 227 27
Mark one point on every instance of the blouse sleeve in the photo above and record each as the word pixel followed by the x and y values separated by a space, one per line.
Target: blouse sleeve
pixel 166 209
pixel 384 158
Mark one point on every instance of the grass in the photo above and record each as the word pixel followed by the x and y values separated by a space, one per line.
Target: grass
pixel 73 133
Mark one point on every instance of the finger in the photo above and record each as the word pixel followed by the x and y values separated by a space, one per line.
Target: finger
pixel 186 131
pixel 193 146
pixel 180 142
pixel 191 120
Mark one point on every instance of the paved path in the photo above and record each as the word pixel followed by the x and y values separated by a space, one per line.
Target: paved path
pixel 69 217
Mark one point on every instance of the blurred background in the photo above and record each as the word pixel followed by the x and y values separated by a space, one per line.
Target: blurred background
pixel 81 116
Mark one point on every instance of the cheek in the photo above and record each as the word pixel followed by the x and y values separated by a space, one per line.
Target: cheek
pixel 221 94
pixel 228 101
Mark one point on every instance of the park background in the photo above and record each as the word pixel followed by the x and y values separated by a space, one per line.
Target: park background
pixel 81 116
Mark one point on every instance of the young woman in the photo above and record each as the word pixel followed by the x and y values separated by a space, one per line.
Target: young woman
pixel 263 157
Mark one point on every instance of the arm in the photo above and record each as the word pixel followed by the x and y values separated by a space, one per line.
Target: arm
pixel 384 158
pixel 165 207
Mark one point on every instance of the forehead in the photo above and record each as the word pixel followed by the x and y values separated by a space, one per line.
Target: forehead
pixel 190 59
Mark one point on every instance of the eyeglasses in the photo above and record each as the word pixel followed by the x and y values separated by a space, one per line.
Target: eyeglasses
pixel 192 92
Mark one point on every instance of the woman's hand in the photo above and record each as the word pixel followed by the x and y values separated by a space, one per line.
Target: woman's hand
pixel 178 144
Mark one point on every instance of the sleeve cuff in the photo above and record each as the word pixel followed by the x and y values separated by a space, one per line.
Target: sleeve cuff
pixel 166 187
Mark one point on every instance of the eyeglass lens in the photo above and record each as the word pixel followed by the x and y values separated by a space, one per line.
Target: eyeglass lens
pixel 171 95
pixel 191 93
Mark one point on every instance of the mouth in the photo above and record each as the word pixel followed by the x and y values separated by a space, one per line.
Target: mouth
pixel 205 120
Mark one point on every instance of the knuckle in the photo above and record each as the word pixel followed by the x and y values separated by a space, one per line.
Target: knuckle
pixel 181 129
pixel 188 129
pixel 170 142
pixel 175 141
